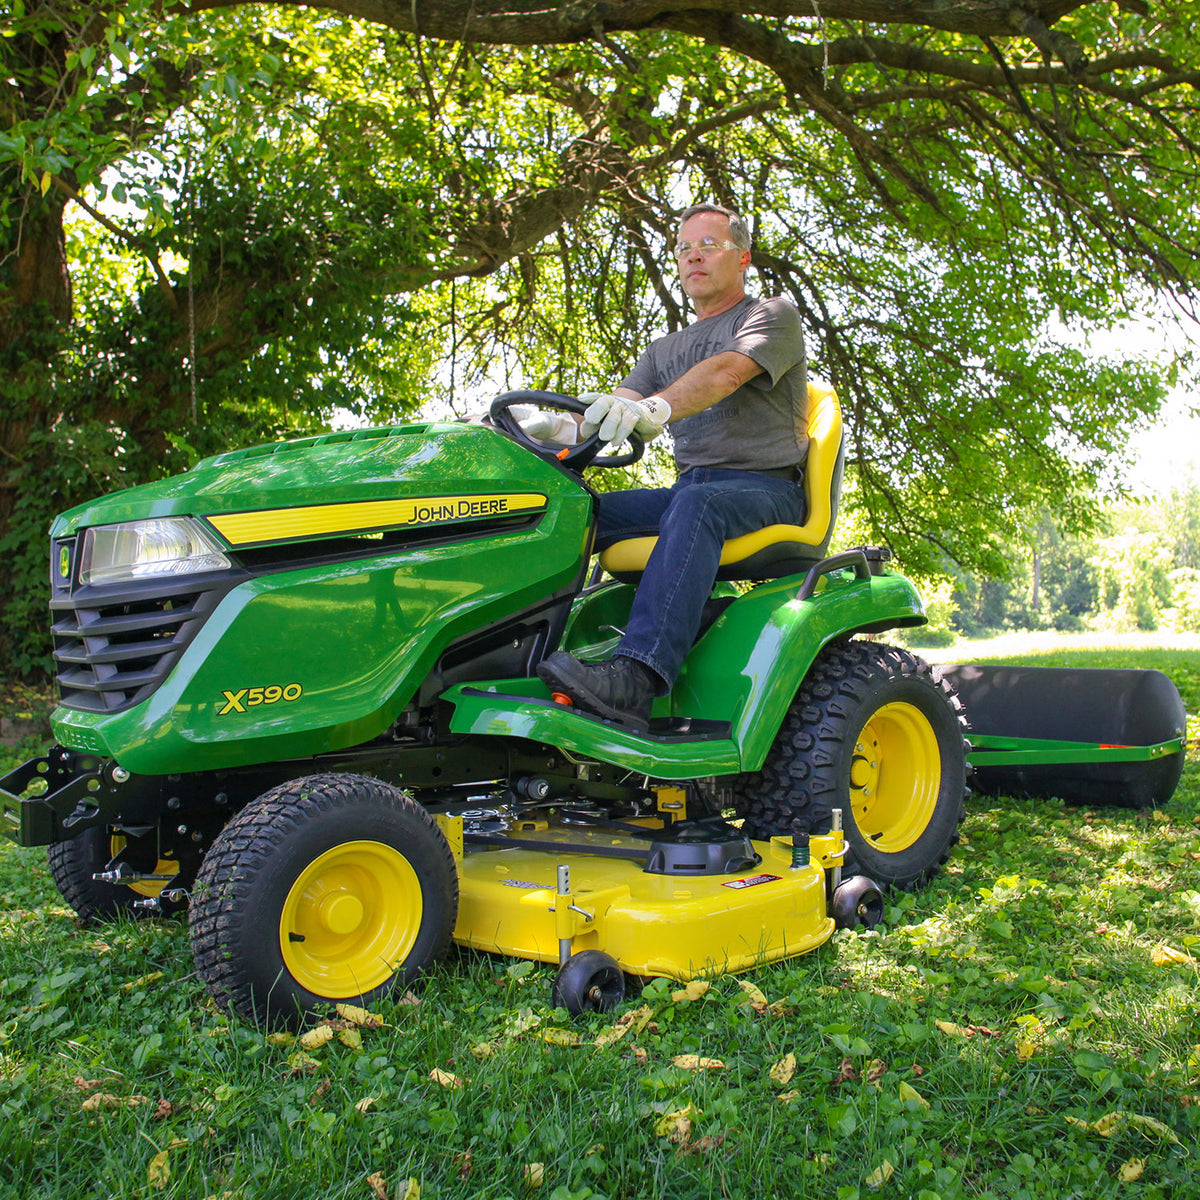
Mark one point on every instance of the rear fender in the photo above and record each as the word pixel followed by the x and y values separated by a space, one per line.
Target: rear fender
pixel 748 667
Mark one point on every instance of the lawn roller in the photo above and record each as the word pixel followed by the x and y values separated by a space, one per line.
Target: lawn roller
pixel 298 697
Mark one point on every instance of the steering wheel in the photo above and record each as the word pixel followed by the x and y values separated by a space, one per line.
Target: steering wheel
pixel 574 458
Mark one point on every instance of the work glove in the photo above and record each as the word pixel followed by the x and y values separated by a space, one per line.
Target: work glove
pixel 546 426
pixel 617 416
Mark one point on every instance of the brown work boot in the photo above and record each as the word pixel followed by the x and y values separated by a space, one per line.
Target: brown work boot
pixel 619 689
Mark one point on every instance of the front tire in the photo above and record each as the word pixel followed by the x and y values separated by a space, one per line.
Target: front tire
pixel 326 889
pixel 874 733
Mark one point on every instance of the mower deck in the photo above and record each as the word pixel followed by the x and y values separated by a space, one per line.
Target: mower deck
pixel 680 925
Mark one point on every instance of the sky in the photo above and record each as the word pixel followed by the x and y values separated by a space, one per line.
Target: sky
pixel 1169 451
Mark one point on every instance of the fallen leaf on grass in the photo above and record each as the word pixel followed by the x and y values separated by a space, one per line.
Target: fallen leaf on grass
pixel 703 1145
pixel 880 1175
pixel 447 1080
pixel 300 1062
pixel 99 1100
pixel 482 1050
pixel 1165 956
pixel 676 1126
pixel 365 1104
pixel 692 991
pixel 463 1161
pixel 781 1072
pixel 561 1037
pixel 631 1022
pixel 314 1039
pixel 758 1000
pixel 952 1030
pixel 694 1062
pixel 158 1173
pixel 788 1097
pixel 360 1016
pixel 1116 1121
pixel 142 981
pixel 876 1069
pixel 412 1189
pixel 377 1185
pixel 280 1039
pixel 908 1092
pixel 1131 1171
pixel 535 1174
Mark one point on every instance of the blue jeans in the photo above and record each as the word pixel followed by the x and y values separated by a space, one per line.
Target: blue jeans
pixel 692 520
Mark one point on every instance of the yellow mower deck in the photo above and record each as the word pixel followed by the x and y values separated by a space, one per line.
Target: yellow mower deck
pixel 678 926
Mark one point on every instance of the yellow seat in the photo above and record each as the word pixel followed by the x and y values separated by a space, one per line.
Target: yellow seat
pixel 776 549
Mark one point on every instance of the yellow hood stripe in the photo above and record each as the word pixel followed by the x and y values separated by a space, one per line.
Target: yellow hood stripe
pixel 322 520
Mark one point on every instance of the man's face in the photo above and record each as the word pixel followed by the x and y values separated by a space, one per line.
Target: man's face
pixel 710 277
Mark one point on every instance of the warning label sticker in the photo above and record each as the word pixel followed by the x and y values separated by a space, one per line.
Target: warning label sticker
pixel 752 881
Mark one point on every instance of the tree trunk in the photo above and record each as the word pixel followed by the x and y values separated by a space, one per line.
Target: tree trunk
pixel 35 305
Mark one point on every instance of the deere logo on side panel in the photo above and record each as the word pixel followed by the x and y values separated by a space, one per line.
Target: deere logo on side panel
pixel 363 517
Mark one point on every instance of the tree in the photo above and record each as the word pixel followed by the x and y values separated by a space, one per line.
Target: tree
pixel 330 212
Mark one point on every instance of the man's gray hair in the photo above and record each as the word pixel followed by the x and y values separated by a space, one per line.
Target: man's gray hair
pixel 739 231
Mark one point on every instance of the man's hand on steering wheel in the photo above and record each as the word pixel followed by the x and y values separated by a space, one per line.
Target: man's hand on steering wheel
pixel 519 427
pixel 545 425
pixel 615 417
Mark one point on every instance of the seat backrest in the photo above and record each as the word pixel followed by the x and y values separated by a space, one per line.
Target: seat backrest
pixel 826 461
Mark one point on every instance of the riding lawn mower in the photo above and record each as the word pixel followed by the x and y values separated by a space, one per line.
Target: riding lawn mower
pixel 298 697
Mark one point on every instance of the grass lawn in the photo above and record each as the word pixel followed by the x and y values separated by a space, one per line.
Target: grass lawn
pixel 1025 1027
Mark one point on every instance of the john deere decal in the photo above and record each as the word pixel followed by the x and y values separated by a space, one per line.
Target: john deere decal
pixel 323 520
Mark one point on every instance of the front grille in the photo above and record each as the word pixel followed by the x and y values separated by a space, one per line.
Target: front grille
pixel 114 646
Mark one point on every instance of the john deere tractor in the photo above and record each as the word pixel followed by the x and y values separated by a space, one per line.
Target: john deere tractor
pixel 299 699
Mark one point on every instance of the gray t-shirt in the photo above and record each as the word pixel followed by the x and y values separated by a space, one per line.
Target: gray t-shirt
pixel 763 425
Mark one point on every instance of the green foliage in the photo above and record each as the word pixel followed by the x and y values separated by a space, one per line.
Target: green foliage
pixel 277 219
pixel 1185 599
pixel 1129 573
pixel 940 611
pixel 1024 1028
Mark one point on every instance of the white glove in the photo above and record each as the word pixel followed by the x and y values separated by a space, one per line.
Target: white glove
pixel 618 416
pixel 546 426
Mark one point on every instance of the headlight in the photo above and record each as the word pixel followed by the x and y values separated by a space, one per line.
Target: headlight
pixel 140 549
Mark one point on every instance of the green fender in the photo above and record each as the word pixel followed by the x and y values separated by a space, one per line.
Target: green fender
pixel 743 673
pixel 748 667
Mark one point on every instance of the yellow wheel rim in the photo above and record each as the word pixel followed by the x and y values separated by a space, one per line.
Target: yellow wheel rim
pixel 164 866
pixel 895 777
pixel 350 919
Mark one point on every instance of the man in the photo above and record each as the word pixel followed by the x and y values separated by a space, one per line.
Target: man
pixel 733 387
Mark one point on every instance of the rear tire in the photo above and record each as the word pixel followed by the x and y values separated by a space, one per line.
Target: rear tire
pixel 874 733
pixel 326 889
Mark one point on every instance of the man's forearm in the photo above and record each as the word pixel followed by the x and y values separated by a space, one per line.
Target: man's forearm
pixel 702 386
